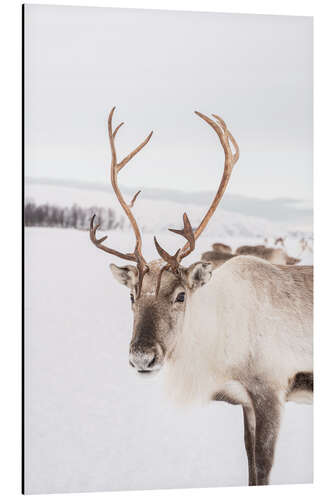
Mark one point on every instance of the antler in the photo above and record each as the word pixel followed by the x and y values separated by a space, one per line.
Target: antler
pixel 98 243
pixel 135 256
pixel 173 261
pixel 231 158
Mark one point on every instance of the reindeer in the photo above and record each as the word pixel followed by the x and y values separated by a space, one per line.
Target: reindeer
pixel 273 255
pixel 219 255
pixel 241 334
pixel 279 241
pixel 216 258
pixel 221 247
pixel 304 244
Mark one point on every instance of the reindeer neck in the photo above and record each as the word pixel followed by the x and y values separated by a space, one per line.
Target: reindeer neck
pixel 191 371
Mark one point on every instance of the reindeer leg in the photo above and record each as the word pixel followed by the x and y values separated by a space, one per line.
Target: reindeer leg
pixel 249 438
pixel 268 409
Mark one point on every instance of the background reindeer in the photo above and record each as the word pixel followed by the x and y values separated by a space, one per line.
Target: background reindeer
pixel 273 255
pixel 219 255
pixel 221 247
pixel 216 258
pixel 241 334
pixel 305 245
pixel 279 241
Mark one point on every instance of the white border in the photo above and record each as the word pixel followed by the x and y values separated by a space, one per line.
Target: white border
pixel 10 443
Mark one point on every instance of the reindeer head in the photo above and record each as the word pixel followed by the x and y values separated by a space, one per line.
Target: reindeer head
pixel 158 319
pixel 161 290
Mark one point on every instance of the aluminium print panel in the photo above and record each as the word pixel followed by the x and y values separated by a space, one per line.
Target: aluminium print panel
pixel 158 358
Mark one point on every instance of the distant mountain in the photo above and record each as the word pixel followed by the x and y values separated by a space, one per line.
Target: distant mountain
pixel 288 213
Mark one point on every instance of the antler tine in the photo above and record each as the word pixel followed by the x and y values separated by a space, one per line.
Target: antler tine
pixel 134 152
pixel 131 204
pixel 98 243
pixel 187 232
pixel 112 136
pixel 172 260
pixel 116 129
pixel 231 137
pixel 94 229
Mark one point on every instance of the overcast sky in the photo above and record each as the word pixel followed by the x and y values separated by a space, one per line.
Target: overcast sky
pixel 157 67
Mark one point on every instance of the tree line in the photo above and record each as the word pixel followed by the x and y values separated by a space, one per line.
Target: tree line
pixel 47 215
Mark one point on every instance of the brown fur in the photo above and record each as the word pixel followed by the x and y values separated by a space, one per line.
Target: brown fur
pixel 221 247
pixel 273 255
pixel 216 258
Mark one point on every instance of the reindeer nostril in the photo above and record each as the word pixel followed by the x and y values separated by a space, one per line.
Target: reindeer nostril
pixel 152 362
pixel 146 358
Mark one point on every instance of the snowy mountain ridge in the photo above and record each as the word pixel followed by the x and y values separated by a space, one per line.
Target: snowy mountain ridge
pixel 155 215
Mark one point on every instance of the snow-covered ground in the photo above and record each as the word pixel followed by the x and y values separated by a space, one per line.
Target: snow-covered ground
pixel 91 423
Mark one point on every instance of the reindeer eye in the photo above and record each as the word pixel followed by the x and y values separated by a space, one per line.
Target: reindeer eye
pixel 180 297
pixel 132 298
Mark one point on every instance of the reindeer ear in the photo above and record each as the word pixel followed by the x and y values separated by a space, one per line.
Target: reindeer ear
pixel 198 274
pixel 127 275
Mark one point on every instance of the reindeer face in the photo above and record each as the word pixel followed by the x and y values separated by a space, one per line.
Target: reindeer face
pixel 158 320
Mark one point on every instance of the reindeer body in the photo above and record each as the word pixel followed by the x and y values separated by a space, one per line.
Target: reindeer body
pixel 251 322
pixel 217 258
pixel 273 255
pixel 247 339
pixel 222 247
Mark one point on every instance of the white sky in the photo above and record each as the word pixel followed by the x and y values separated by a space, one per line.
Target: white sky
pixel 157 67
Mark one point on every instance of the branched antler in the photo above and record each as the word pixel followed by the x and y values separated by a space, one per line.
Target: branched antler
pixel 173 261
pixel 136 255
pixel 231 158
